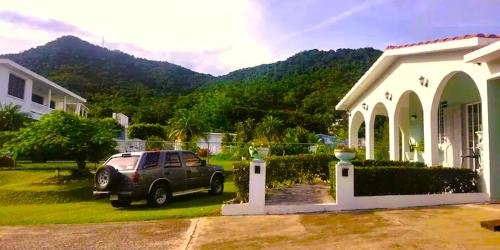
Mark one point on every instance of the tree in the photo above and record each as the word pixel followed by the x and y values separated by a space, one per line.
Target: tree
pixel 62 135
pixel 270 128
pixel 11 117
pixel 185 126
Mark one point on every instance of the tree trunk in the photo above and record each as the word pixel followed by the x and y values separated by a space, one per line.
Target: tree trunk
pixel 81 164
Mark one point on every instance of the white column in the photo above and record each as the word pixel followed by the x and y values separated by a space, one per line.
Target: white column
pixel 370 137
pixel 491 138
pixel 49 97
pixel 78 108
pixel 28 91
pixel 431 154
pixel 64 104
pixel 394 149
pixel 344 183
pixel 257 188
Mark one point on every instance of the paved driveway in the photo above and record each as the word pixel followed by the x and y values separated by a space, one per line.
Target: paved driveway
pixel 450 227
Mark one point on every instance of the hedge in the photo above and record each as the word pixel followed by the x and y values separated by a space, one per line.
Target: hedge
pixel 144 131
pixel 383 163
pixel 6 161
pixel 406 180
pixel 373 181
pixel 290 169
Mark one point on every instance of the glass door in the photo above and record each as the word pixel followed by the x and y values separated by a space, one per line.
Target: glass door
pixel 474 124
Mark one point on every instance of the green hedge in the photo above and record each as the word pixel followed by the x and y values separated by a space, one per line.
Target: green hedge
pixel 144 131
pixel 284 170
pixel 333 180
pixel 383 163
pixel 411 180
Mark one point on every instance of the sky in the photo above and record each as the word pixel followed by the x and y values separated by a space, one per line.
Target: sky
pixel 219 36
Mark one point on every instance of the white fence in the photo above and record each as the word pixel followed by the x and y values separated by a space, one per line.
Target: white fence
pixel 345 197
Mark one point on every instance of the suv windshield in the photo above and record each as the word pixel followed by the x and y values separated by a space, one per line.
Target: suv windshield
pixel 123 162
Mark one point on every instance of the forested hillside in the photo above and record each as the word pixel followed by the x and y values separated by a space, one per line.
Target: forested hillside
pixel 300 91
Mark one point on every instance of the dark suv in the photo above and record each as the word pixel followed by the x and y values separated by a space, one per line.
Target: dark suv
pixel 156 176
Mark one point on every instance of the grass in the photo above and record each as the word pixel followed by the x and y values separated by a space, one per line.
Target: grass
pixel 36 197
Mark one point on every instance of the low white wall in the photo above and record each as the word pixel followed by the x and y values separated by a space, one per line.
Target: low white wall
pixel 345 198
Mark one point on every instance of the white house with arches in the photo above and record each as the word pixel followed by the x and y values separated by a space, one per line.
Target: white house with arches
pixel 442 94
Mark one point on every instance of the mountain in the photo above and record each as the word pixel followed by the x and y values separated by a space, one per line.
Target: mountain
pixel 300 91
pixel 88 69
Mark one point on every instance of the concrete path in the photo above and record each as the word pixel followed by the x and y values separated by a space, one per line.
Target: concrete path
pixel 450 227
pixel 299 194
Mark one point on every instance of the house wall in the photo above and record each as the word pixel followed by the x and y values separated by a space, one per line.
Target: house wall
pixel 492 138
pixel 437 69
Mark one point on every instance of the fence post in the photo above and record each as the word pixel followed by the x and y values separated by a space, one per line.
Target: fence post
pixel 257 188
pixel 345 184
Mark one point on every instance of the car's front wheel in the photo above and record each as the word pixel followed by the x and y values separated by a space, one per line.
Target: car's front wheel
pixel 121 203
pixel 217 185
pixel 159 195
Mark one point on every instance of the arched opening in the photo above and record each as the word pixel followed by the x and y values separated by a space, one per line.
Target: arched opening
pixel 380 119
pixel 410 118
pixel 356 126
pixel 459 119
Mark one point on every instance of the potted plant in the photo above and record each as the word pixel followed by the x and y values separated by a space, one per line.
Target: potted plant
pixel 412 145
pixel 420 150
pixel 344 153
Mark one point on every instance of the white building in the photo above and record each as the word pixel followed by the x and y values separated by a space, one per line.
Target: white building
pixel 35 94
pixel 444 94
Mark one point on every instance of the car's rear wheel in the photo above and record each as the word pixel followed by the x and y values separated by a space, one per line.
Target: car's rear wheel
pixel 159 196
pixel 121 203
pixel 217 185
pixel 106 177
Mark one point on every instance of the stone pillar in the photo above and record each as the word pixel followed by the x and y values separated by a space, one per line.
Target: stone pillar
pixel 344 185
pixel 394 149
pixel 370 138
pixel 431 151
pixel 257 188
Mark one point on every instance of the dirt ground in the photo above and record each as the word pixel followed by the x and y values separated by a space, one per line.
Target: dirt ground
pixel 447 227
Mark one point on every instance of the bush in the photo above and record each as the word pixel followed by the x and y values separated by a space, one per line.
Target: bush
pixel 202 152
pixel 284 170
pixel 413 180
pixel 384 163
pixel 6 161
pixel 154 143
pixel 289 149
pixel 333 180
pixel 143 131
pixel 241 180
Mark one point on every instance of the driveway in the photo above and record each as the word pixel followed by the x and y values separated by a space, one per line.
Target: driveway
pixel 447 227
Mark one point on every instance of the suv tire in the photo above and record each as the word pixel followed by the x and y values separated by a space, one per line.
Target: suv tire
pixel 159 196
pixel 106 178
pixel 121 203
pixel 217 185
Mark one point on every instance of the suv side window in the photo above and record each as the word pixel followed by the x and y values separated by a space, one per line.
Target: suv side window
pixel 151 160
pixel 172 160
pixel 191 160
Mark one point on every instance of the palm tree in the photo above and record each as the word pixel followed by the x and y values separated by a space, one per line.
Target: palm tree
pixel 184 126
pixel 270 127
pixel 11 117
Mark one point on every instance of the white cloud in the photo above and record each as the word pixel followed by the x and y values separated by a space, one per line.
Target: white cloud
pixel 221 34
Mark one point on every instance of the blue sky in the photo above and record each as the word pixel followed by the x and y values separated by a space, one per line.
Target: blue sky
pixel 217 36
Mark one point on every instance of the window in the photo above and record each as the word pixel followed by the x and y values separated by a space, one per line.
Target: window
pixel 172 160
pixel 151 159
pixel 123 162
pixel 16 86
pixel 36 98
pixel 191 160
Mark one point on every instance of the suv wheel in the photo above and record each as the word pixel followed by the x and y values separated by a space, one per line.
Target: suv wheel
pixel 159 195
pixel 120 203
pixel 217 185
pixel 106 177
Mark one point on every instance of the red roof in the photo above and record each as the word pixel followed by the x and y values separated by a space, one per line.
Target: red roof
pixel 441 40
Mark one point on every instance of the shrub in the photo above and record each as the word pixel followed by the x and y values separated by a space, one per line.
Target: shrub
pixel 154 143
pixel 385 163
pixel 241 180
pixel 143 131
pixel 202 152
pixel 6 161
pixel 333 181
pixel 289 149
pixel 284 170
pixel 369 181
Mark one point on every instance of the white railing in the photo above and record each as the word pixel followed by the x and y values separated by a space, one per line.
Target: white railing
pixel 40 109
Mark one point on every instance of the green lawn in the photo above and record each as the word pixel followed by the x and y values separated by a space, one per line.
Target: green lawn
pixel 34 197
